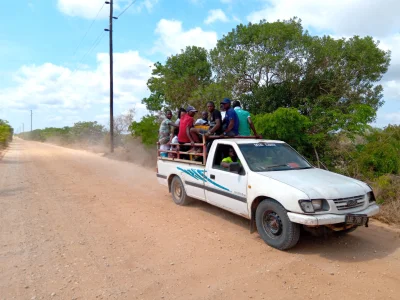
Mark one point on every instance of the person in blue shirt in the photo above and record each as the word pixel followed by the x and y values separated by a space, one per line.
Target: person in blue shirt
pixel 230 123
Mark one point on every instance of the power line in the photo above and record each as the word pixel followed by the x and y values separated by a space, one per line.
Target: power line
pixel 126 8
pixel 80 43
pixel 94 45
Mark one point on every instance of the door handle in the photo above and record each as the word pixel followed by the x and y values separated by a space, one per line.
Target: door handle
pixel 212 176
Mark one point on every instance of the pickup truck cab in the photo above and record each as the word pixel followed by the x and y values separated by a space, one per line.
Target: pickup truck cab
pixel 269 183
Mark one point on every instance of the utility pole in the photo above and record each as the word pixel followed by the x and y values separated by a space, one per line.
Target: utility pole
pixel 31 120
pixel 110 30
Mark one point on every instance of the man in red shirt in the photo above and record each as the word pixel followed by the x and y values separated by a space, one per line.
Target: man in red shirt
pixel 186 122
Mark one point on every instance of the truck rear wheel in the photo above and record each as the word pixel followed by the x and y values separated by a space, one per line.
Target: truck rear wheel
pixel 178 192
pixel 274 225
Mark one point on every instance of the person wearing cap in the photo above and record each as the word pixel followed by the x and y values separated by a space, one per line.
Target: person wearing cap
pixel 231 120
pixel 245 122
pixel 185 124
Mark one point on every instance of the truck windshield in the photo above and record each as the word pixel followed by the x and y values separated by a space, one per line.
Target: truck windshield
pixel 264 157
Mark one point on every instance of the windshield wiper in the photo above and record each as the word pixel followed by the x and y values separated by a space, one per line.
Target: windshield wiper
pixel 276 166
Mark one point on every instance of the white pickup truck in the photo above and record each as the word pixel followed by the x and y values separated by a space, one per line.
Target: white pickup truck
pixel 269 183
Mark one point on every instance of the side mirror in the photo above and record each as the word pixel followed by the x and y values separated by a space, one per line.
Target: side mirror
pixel 234 167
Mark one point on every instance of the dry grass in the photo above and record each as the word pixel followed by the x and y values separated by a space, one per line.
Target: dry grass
pixel 387 193
pixel 390 213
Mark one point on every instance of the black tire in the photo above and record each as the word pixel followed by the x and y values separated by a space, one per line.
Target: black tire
pixel 178 192
pixel 346 231
pixel 274 226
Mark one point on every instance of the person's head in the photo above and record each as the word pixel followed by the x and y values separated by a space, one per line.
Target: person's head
pixel 210 106
pixel 191 111
pixel 181 112
pixel 236 103
pixel 204 115
pixel 232 153
pixel 226 103
pixel 168 114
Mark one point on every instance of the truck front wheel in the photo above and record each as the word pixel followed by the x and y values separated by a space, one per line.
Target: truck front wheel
pixel 274 225
pixel 178 192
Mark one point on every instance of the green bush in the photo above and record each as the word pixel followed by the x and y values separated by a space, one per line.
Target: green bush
pixel 6 133
pixel 146 129
pixel 81 132
pixel 381 153
pixel 286 124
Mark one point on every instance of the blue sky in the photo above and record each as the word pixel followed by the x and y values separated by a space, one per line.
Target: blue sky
pixel 45 66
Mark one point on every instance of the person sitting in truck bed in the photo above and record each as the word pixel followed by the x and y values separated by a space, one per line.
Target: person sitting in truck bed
pixel 231 120
pixel 231 158
pixel 203 120
pixel 184 135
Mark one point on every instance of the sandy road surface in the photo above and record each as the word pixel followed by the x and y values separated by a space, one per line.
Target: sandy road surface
pixel 74 225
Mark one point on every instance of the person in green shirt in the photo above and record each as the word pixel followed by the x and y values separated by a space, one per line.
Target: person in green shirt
pixel 232 157
pixel 245 122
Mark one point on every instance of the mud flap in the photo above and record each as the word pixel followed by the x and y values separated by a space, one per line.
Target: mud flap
pixel 253 226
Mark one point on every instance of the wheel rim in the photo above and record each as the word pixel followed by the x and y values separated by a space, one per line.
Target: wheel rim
pixel 178 191
pixel 272 224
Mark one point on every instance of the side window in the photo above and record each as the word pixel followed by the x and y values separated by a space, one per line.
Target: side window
pixel 220 153
pixel 224 153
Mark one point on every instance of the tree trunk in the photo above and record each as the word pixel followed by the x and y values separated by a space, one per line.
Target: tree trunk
pixel 317 157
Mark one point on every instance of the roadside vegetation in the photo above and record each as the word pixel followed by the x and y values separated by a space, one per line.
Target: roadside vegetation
pixel 6 133
pixel 319 94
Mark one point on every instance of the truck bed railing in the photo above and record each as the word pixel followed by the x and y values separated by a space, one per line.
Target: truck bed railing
pixel 177 154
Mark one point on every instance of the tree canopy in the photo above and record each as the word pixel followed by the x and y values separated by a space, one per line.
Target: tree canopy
pixel 332 82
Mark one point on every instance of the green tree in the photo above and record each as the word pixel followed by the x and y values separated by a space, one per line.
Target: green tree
pixel 146 129
pixel 89 132
pixel 286 124
pixel 171 85
pixel 331 81
pixel 6 133
pixel 381 153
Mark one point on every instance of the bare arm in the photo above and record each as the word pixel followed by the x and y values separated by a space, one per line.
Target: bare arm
pixel 188 134
pixel 216 127
pixel 252 126
pixel 225 165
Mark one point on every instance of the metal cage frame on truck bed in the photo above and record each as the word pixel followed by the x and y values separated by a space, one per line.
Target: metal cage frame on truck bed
pixel 203 153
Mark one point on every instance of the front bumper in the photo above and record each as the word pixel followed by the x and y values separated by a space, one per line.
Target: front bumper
pixel 325 219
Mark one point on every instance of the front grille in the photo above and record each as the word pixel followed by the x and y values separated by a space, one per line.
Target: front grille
pixel 346 203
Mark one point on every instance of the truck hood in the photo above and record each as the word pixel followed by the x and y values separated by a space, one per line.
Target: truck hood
pixel 317 183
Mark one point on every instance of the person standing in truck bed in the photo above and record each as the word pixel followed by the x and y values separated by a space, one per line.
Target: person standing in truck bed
pixel 245 122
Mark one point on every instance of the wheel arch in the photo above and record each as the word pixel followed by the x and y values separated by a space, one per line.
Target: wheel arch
pixel 253 208
pixel 170 177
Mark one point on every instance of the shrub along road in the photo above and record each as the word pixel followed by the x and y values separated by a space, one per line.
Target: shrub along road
pixel 75 225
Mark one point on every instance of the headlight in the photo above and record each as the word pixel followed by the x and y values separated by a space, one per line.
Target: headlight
pixel 306 206
pixel 310 206
pixel 317 204
pixel 371 197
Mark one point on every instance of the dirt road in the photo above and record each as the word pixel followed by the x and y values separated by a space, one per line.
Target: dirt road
pixel 75 225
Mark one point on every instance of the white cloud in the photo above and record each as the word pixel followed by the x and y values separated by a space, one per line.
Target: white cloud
pixel 393 118
pixel 173 38
pixel 88 9
pixel 216 15
pixel 49 86
pixel 344 17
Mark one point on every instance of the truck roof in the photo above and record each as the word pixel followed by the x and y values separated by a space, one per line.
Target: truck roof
pixel 252 141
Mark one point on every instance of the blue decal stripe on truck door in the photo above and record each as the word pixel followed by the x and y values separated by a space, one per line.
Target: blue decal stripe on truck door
pixel 217 191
